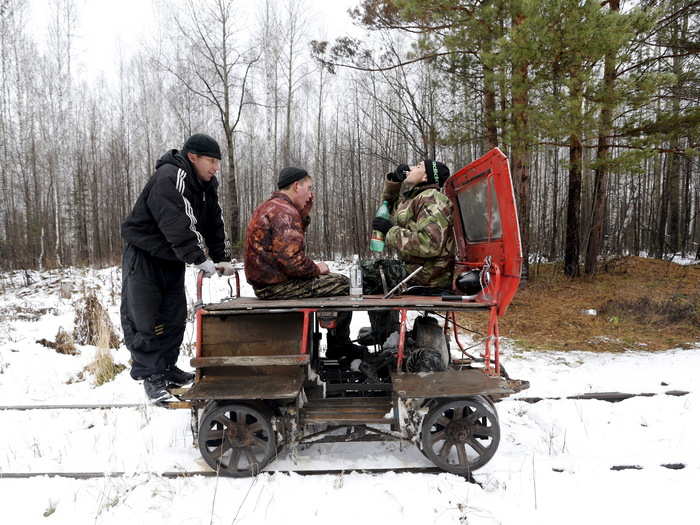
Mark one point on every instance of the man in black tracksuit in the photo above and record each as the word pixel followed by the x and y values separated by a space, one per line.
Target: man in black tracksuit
pixel 176 220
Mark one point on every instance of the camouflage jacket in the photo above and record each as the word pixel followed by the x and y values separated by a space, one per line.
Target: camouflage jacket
pixel 422 233
pixel 274 244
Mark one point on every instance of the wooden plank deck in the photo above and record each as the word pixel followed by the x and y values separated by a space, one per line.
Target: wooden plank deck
pixel 453 383
pixel 250 387
pixel 341 303
pixel 246 360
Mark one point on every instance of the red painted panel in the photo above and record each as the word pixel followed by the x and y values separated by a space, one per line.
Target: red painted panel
pixel 486 222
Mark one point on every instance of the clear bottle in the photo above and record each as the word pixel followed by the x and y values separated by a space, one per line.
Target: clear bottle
pixel 376 243
pixel 355 278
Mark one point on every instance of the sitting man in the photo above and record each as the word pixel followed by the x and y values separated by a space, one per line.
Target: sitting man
pixel 420 230
pixel 276 264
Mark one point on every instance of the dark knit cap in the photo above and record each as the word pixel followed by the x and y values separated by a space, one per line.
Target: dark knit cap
pixel 437 172
pixel 289 175
pixel 202 144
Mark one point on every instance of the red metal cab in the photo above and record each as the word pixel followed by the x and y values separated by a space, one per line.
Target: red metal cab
pixel 486 225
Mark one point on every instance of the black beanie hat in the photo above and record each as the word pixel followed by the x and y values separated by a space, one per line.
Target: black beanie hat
pixel 202 144
pixel 437 172
pixel 290 175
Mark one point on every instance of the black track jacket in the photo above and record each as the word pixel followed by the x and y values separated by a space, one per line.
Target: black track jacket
pixel 177 216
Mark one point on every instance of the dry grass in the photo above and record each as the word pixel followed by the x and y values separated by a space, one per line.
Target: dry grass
pixel 64 343
pixel 103 368
pixel 92 322
pixel 641 304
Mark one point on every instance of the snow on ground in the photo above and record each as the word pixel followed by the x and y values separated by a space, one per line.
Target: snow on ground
pixel 553 464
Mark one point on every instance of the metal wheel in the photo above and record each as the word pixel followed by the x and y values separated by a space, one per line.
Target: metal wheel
pixel 236 440
pixel 461 435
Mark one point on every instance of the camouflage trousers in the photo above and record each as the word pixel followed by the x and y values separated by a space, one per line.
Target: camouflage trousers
pixel 383 322
pixel 394 272
pixel 329 285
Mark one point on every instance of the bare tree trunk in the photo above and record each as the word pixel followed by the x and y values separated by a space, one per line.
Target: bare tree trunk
pixel 521 156
pixel 600 191
pixel 573 210
pixel 555 206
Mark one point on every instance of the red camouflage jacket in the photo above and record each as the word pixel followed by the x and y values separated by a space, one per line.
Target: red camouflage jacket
pixel 274 245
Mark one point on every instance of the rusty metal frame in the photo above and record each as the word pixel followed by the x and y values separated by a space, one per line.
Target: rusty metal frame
pixel 304 344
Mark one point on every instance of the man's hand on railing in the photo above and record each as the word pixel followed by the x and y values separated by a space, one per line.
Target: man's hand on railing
pixel 225 268
pixel 207 267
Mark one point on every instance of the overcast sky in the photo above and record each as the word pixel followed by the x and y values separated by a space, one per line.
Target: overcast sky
pixel 107 26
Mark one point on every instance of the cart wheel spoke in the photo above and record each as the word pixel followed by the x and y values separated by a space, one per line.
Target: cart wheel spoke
pixel 259 443
pixel 442 421
pixel 478 447
pixel 471 417
pixel 224 422
pixel 481 431
pixel 462 454
pixel 445 449
pixel 255 427
pixel 215 434
pixel 235 459
pixel 221 450
pixel 252 460
pixel 438 436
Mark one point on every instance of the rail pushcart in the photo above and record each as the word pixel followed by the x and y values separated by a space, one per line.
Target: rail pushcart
pixel 262 382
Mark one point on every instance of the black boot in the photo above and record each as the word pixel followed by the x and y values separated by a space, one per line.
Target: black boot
pixel 345 350
pixel 156 388
pixel 175 376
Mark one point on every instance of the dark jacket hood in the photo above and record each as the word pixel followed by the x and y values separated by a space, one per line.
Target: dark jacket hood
pixel 176 158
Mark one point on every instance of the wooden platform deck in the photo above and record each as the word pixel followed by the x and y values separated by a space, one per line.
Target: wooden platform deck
pixel 342 303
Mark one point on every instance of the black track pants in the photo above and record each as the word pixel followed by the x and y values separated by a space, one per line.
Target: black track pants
pixel 153 311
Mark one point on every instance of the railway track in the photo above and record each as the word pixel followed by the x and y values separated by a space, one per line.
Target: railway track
pixel 611 397
pixel 338 472
pixel 213 474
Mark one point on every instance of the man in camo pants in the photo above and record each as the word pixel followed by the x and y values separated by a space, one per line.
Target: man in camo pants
pixel 276 264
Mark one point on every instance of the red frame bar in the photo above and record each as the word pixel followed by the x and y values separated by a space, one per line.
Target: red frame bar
pixel 492 335
pixel 454 327
pixel 303 348
pixel 198 340
pixel 200 280
pixel 497 347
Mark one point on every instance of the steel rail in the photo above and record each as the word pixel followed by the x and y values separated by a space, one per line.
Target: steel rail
pixel 611 397
pixel 213 474
pixel 87 406
pixel 325 472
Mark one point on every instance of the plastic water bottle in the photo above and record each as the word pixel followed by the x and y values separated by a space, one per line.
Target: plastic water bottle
pixel 376 243
pixel 355 278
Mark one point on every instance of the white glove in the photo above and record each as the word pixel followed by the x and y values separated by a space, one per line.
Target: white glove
pixel 225 268
pixel 207 267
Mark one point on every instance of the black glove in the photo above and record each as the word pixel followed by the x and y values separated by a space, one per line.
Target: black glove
pixel 399 174
pixel 381 224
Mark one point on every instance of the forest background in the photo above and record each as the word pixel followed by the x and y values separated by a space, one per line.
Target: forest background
pixel 595 104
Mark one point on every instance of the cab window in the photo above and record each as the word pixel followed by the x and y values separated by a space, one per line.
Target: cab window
pixel 478 207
